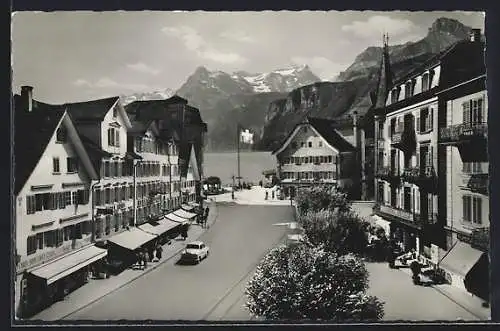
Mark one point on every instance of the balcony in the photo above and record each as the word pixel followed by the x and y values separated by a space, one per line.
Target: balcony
pixel 389 174
pixel 463 133
pixel 480 238
pixel 476 183
pixel 424 177
pixel 404 139
pixel 402 216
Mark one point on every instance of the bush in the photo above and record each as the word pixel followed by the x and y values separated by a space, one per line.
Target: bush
pixel 308 283
pixel 321 197
pixel 339 232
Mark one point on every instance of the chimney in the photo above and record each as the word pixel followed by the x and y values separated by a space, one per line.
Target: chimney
pixel 475 35
pixel 27 97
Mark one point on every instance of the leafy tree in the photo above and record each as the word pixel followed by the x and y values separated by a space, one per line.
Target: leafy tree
pixel 322 197
pixel 339 232
pixel 301 282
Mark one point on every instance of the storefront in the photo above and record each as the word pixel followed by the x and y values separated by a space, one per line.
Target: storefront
pixel 52 281
pixel 123 247
pixel 164 228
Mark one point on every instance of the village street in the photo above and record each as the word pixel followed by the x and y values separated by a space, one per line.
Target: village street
pixel 212 290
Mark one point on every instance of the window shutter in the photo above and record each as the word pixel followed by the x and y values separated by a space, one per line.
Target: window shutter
pixel 431 119
pixel 418 124
pixel 479 210
pixel 117 138
pixel 480 110
pixel 418 159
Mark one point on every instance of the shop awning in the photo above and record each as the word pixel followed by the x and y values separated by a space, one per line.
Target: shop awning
pixel 70 263
pixel 187 207
pixel 132 239
pixel 461 258
pixel 184 214
pixel 176 218
pixel 159 227
pixel 194 204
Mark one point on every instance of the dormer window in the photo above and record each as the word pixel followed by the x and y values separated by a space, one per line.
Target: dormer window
pixel 61 135
pixel 113 137
pixel 409 88
pixel 427 80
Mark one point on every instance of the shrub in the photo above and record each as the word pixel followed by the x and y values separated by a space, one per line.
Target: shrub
pixel 308 283
pixel 321 197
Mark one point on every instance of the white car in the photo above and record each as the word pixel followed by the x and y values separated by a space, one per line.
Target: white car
pixel 195 252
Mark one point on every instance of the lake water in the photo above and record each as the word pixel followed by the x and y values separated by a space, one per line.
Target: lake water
pixel 225 165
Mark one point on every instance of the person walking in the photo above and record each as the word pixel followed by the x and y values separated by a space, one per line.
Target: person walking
pixel 272 195
pixel 159 251
pixel 145 258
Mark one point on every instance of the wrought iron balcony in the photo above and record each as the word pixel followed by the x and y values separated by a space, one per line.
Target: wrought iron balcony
pixel 477 183
pixel 388 173
pixel 404 139
pixel 480 238
pixel 421 176
pixel 411 174
pixel 407 217
pixel 465 132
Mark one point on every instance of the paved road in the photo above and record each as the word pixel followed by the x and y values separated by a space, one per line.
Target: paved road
pixel 212 290
pixel 405 301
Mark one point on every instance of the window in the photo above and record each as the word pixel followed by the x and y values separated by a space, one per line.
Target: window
pixel 107 169
pixel 425 82
pixel 49 238
pixel 473 111
pixel 302 144
pixel 39 240
pixel 320 144
pixel 472 208
pixel 425 121
pixel 61 135
pixel 472 167
pixel 305 129
pixel 67 198
pixel 30 204
pixel 306 160
pixel 107 229
pixel 31 245
pixel 55 165
pixel 111 137
pixel 72 164
pixel 117 138
pixel 310 144
pixel 410 88
pixel 330 159
pixel 380 130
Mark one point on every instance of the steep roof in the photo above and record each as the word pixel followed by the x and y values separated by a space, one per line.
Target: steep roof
pixel 33 131
pixel 385 76
pixel 91 110
pixel 324 127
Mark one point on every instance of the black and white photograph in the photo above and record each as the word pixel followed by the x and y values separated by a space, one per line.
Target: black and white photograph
pixel 250 167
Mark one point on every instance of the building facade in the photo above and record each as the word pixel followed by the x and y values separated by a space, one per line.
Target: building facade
pixel 431 158
pixel 463 140
pixel 52 210
pixel 315 153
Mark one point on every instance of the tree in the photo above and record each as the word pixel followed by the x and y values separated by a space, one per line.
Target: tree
pixel 322 197
pixel 300 282
pixel 339 232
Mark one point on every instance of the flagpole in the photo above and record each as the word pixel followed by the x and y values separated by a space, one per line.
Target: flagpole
pixel 238 144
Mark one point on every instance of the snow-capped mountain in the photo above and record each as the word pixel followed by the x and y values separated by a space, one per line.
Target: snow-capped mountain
pixel 204 88
pixel 141 96
pixel 280 80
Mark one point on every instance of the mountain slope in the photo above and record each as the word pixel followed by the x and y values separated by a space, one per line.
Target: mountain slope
pixel 352 88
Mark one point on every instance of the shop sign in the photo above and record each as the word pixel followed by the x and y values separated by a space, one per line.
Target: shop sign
pixel 434 254
pixel 44 256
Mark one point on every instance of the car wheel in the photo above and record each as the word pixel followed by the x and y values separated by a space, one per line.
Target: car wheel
pixel 199 259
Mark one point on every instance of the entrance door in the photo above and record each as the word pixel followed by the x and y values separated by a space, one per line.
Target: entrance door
pixel 424 205
pixel 424 150
pixel 394 161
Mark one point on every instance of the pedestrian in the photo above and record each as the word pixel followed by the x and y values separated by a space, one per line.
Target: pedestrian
pixel 145 254
pixel 260 183
pixel 139 259
pixel 267 195
pixel 272 195
pixel 159 250
pixel 151 254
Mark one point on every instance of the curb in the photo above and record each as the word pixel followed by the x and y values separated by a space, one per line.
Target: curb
pixel 141 274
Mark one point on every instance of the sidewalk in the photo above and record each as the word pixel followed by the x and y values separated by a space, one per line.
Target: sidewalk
pixel 255 196
pixel 98 288
pixel 462 298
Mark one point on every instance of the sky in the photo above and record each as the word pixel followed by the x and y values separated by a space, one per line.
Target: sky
pixel 78 56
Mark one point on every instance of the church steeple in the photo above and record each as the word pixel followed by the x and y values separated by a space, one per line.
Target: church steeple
pixel 385 74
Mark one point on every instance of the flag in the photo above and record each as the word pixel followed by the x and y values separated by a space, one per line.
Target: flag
pixel 246 137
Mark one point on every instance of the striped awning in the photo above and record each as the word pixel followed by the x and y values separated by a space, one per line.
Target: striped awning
pixel 132 239
pixel 187 207
pixel 184 214
pixel 176 218
pixel 159 227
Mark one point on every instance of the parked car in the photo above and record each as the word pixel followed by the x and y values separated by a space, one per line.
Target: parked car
pixel 195 252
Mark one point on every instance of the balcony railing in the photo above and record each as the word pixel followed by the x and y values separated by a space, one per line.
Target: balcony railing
pixel 408 217
pixel 397 137
pixel 463 132
pixel 388 173
pixel 476 182
pixel 480 238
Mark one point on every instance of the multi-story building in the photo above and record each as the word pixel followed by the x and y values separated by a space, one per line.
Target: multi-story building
pixel 408 160
pixel 315 153
pixel 52 211
pixel 103 126
pixel 464 155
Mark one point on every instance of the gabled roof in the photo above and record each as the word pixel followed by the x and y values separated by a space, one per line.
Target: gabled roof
pixel 91 110
pixel 326 128
pixel 32 134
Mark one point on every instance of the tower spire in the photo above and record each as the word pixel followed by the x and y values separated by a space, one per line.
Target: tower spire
pixel 385 74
